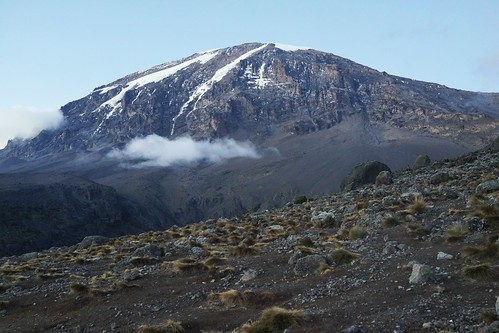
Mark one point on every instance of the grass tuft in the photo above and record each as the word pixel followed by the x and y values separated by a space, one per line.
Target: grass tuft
pixel 243 251
pixel 231 298
pixel 418 206
pixel 170 326
pixel 490 250
pixel 357 232
pixel 275 320
pixel 481 271
pixel 457 232
pixel 78 288
pixel 488 316
pixel 188 267
pixel 342 256
pixel 390 222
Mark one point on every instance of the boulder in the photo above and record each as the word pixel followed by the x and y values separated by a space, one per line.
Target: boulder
pixel 362 174
pixel 149 250
pixel 384 178
pixel 421 162
pixel 420 274
pixel 488 186
pixel 310 264
pixel 93 240
pixel 439 177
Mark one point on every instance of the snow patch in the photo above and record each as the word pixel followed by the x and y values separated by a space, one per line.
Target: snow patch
pixel 290 48
pixel 205 86
pixel 257 80
pixel 150 78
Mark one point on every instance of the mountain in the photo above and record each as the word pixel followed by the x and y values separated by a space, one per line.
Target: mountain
pixel 265 122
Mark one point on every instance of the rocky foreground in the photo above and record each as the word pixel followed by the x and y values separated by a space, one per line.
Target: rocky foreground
pixel 416 252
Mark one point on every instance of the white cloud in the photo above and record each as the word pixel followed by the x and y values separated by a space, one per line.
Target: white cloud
pixel 26 122
pixel 155 150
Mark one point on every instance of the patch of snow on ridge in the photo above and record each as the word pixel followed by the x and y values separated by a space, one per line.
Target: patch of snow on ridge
pixel 153 77
pixel 290 48
pixel 205 86
pixel 258 80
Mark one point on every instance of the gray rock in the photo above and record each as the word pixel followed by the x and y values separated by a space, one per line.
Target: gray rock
pixel 488 186
pixel 30 256
pixel 149 250
pixel 294 257
pixel 322 216
pixel 93 240
pixel 362 174
pixel 497 305
pixel 421 162
pixel 131 275
pixel 352 329
pixel 389 200
pixel 409 197
pixel 249 275
pixel 389 249
pixel 439 177
pixel 444 256
pixel 310 264
pixel 420 274
pixel 384 178
pixel 197 251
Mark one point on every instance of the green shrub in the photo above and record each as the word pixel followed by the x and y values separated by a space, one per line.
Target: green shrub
pixel 299 199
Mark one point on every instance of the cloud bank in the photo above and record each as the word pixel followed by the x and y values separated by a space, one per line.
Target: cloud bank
pixel 156 151
pixel 26 122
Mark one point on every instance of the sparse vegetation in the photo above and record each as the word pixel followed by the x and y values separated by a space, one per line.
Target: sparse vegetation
pixel 480 271
pixel 77 287
pixel 457 232
pixel 342 256
pixel 490 250
pixel 414 228
pixel 188 267
pixel 170 326
pixel 390 221
pixel 418 206
pixel 275 320
pixel 357 232
pixel 299 199
pixel 489 316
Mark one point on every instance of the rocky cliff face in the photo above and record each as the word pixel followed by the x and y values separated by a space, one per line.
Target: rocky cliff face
pixel 256 91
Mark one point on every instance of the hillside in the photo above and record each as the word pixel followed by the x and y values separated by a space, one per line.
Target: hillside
pixel 419 254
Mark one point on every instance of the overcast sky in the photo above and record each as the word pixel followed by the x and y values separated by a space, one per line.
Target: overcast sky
pixel 56 51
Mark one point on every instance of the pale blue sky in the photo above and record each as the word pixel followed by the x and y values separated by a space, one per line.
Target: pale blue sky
pixel 56 51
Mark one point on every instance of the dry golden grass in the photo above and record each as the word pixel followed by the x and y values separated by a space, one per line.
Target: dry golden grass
pixel 230 298
pixel 275 320
pixel 342 256
pixel 189 267
pixel 390 221
pixel 418 206
pixel 480 271
pixel 78 288
pixel 170 326
pixel 357 232
pixel 490 250
pixel 457 232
